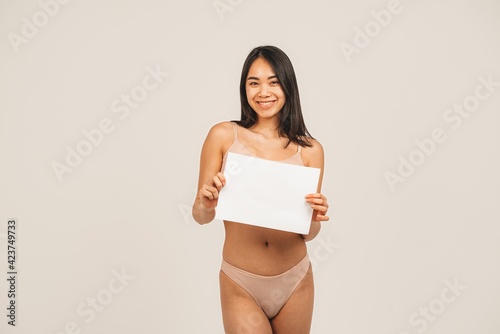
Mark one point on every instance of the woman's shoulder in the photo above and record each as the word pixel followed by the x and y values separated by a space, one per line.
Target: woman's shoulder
pixel 221 135
pixel 315 147
pixel 222 129
pixel 314 154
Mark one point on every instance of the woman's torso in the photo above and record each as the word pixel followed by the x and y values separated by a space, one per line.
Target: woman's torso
pixel 256 249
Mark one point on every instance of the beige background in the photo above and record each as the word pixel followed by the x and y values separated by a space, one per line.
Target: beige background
pixel 385 255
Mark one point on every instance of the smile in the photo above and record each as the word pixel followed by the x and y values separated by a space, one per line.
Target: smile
pixel 265 103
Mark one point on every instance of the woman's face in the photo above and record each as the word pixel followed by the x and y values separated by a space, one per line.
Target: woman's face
pixel 264 93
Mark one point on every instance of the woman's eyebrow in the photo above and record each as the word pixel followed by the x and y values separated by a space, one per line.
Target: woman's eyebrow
pixel 268 78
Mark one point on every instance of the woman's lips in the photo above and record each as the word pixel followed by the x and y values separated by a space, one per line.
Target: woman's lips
pixel 266 104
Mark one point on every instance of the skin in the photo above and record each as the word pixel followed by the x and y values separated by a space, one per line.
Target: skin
pixel 255 249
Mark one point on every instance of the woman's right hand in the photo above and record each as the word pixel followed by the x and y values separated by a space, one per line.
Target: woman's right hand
pixel 209 192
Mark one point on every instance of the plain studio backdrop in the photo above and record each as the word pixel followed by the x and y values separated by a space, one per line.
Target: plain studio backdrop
pixel 104 106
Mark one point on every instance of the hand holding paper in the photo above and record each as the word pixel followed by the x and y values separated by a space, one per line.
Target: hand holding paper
pixel 267 193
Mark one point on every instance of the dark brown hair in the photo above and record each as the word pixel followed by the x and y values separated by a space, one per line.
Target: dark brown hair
pixel 291 123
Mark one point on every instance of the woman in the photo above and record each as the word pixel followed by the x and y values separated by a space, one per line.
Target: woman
pixel 266 282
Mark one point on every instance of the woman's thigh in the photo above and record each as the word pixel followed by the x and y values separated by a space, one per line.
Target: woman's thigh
pixel 240 313
pixel 296 316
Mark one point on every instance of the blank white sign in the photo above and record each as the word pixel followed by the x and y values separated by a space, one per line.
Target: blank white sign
pixel 267 193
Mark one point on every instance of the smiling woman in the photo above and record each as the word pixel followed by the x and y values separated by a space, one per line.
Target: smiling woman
pixel 268 76
pixel 264 95
pixel 266 280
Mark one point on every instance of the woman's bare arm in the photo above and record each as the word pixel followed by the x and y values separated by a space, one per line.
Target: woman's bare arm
pixel 210 180
pixel 314 157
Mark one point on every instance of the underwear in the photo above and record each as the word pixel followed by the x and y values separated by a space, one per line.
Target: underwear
pixel 269 292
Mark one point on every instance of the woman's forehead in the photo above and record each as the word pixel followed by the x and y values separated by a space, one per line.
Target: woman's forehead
pixel 261 69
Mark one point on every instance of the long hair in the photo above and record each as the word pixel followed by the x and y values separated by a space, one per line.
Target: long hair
pixel 291 123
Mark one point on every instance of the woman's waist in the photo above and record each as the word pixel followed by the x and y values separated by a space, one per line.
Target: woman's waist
pixel 260 250
pixel 256 236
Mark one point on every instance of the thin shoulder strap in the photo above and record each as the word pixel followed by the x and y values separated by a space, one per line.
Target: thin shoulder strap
pixel 300 148
pixel 235 130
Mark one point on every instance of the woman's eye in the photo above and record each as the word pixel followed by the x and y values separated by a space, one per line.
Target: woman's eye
pixel 253 83
pixel 275 82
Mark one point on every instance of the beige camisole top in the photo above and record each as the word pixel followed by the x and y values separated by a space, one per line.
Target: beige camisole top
pixel 238 147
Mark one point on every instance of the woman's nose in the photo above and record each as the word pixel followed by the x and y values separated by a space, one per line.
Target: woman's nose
pixel 264 90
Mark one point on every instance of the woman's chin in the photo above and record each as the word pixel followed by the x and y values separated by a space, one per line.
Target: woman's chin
pixel 268 114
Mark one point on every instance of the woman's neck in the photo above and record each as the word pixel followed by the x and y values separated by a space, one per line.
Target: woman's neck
pixel 267 127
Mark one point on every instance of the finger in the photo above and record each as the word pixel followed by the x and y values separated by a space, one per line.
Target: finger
pixel 322 218
pixel 217 182
pixel 210 192
pixel 316 196
pixel 222 178
pixel 317 201
pixel 320 208
pixel 205 193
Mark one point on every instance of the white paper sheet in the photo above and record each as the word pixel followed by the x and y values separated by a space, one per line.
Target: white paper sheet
pixel 267 193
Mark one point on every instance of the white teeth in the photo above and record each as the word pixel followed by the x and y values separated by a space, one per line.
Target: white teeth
pixel 266 103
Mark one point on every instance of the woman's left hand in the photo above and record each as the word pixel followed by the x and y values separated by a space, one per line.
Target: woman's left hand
pixel 319 204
